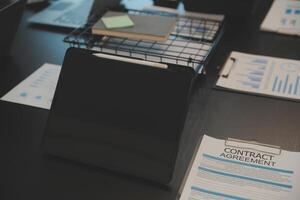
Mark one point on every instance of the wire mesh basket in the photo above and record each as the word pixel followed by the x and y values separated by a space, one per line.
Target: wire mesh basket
pixel 189 44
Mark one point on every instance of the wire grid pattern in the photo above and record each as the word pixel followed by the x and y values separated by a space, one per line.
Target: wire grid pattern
pixel 192 27
pixel 176 50
pixel 188 45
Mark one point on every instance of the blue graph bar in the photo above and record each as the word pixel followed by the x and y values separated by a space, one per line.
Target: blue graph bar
pixel 275 83
pixel 257 66
pixel 252 84
pixel 260 61
pixel 258 73
pixel 290 88
pixel 255 78
pixel 279 86
pixel 297 85
pixel 285 83
pixel 288 11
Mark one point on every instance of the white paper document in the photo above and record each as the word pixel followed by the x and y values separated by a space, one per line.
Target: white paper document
pixel 38 89
pixel 237 170
pixel 261 75
pixel 283 17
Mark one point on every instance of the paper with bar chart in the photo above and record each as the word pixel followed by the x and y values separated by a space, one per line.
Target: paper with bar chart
pixel 242 170
pixel 283 17
pixel 36 90
pixel 261 75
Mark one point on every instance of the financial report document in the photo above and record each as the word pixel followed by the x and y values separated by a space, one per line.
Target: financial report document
pixel 261 75
pixel 38 89
pixel 233 170
pixel 283 17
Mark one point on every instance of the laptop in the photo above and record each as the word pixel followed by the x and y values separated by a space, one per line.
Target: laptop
pixel 10 16
pixel 125 117
pixel 71 13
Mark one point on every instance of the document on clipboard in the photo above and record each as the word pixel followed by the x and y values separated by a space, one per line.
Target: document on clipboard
pixel 241 170
pixel 261 75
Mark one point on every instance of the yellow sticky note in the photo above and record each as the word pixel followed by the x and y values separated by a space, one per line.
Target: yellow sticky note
pixel 121 21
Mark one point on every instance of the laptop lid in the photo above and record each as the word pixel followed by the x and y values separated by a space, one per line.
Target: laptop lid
pixel 72 13
pixel 120 116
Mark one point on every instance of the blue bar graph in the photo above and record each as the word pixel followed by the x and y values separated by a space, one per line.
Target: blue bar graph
pixel 297 85
pixel 290 88
pixel 286 83
pixel 260 61
pixel 275 84
pixel 255 78
pixel 281 79
pixel 258 66
pixel 288 11
pixel 279 86
pixel 251 84
pixel 256 72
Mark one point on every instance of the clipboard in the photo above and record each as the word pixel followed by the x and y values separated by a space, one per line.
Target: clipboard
pixel 121 115
pixel 236 143
pixel 263 89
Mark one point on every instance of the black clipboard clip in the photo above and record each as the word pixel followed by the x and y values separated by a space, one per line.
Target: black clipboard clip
pixel 228 67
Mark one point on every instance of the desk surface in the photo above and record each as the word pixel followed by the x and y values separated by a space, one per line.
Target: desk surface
pixel 26 174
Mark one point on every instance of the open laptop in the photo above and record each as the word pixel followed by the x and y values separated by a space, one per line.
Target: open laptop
pixel 10 15
pixel 71 13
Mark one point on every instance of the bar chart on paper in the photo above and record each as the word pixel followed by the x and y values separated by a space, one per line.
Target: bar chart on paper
pixel 291 16
pixel 287 82
pixel 252 74
pixel 261 75
pixel 36 90
pixel 283 17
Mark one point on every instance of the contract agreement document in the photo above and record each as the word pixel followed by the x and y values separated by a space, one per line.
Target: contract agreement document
pixel 242 170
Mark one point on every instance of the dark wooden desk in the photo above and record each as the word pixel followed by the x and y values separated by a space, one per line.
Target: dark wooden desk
pixel 26 174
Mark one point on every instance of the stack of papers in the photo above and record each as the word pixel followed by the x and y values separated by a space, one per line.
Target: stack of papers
pixel 241 170
pixel 38 89
pixel 261 75
pixel 283 17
